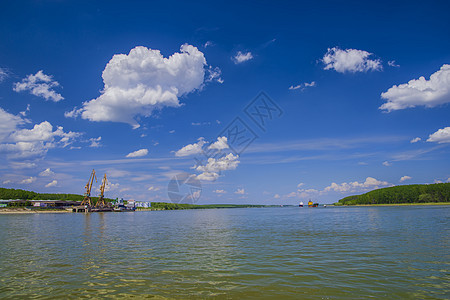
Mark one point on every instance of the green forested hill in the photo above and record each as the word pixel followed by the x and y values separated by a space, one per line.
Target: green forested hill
pixel 415 193
pixel 28 195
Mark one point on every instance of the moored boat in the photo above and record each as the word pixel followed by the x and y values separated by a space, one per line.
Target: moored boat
pixel 312 204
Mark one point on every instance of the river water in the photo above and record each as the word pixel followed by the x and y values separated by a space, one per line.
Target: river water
pixel 284 253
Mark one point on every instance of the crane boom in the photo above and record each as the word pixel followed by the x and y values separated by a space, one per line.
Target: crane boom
pixel 88 187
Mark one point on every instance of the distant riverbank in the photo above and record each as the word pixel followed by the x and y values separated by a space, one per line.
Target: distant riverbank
pixel 402 194
pixel 155 206
pixel 399 204
pixel 22 210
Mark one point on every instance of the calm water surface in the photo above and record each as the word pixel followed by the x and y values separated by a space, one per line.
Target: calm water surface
pixel 306 253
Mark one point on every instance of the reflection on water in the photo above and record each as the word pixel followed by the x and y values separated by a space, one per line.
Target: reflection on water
pixel 342 252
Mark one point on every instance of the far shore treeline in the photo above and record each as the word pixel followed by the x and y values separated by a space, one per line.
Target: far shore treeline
pixel 6 194
pixel 415 193
pixel 176 206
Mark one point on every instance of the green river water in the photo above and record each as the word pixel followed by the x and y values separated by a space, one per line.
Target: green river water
pixel 251 253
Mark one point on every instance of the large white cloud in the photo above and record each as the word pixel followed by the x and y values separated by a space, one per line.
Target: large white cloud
pixel 144 80
pixel 211 171
pixel 35 142
pixel 350 60
pixel 441 136
pixel 419 92
pixel 40 85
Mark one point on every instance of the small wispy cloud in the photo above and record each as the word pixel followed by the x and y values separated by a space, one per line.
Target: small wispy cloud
pixel 241 57
pixel 392 63
pixel 240 192
pixel 302 86
pixel 3 74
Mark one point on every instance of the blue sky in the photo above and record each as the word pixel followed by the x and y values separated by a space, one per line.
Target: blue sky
pixel 143 90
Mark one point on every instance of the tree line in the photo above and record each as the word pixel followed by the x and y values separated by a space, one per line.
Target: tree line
pixel 415 193
pixel 173 206
pixel 6 194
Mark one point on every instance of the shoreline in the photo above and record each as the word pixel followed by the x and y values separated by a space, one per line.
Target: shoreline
pixel 7 211
pixel 399 204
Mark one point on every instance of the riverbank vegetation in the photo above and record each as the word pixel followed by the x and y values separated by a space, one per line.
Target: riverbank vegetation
pixel 6 194
pixel 174 206
pixel 415 193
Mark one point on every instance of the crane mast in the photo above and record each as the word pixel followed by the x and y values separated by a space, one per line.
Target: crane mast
pixel 88 187
pixel 101 199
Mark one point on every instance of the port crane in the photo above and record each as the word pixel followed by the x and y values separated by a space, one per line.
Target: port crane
pixel 88 187
pixel 101 200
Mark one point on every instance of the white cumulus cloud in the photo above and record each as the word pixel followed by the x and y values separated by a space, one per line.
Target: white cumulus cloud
pixel 191 149
pixel 208 176
pixel 138 153
pixel 35 142
pixel 219 191
pixel 404 178
pixel 28 180
pixel 350 60
pixel 137 83
pixel 419 92
pixel 40 85
pixel 415 140
pixel 241 57
pixel 441 136
pixel 50 184
pixel 8 123
pixel 213 167
pixel 46 172
pixel 220 144
pixel 369 183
